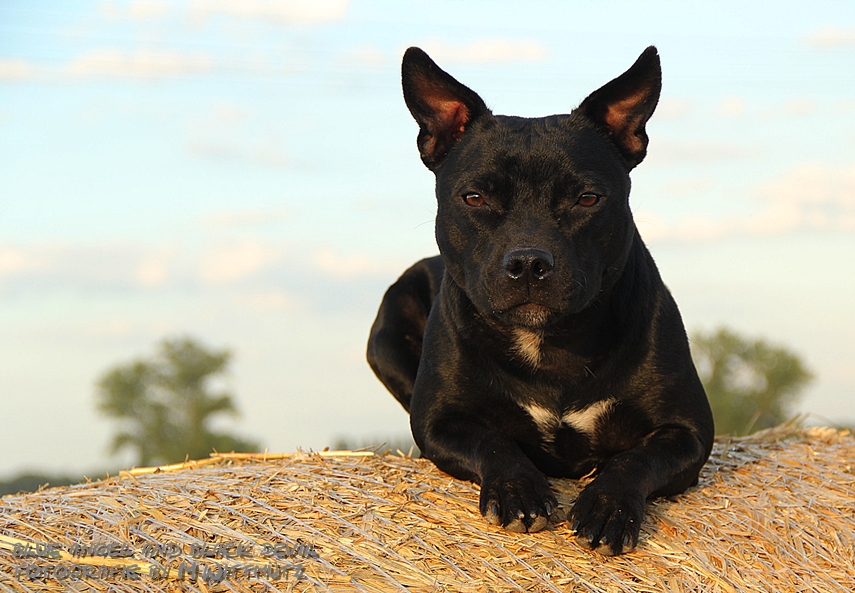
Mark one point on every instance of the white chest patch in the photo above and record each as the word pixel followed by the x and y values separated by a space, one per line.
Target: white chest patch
pixel 527 344
pixel 584 420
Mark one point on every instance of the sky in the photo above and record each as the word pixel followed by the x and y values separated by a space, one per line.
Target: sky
pixel 244 172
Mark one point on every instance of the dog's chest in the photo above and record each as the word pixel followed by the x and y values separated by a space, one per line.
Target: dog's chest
pixel 586 420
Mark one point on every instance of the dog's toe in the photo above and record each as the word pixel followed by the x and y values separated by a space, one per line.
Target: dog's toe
pixel 518 504
pixel 607 522
pixel 517 525
pixel 538 522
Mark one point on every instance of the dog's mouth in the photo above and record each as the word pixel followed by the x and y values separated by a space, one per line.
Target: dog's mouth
pixel 528 315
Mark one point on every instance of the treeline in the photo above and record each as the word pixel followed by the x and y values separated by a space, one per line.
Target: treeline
pixel 162 407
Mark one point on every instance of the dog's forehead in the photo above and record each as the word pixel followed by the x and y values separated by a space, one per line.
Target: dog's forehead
pixel 570 136
pixel 558 149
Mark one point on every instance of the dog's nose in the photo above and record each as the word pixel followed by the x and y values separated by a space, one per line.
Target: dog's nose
pixel 535 264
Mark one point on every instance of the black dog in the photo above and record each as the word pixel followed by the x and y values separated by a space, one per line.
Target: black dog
pixel 543 340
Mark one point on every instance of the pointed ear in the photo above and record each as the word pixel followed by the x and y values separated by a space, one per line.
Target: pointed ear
pixel 443 108
pixel 622 107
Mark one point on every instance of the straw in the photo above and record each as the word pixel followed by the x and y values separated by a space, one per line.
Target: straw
pixel 773 512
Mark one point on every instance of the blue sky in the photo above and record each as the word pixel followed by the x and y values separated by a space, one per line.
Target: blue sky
pixel 245 172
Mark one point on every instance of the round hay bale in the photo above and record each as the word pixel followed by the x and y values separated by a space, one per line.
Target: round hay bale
pixel 772 512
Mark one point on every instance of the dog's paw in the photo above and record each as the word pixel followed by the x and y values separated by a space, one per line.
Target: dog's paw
pixel 607 519
pixel 521 503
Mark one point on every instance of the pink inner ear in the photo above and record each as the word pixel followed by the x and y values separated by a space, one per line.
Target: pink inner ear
pixel 448 114
pixel 452 115
pixel 621 122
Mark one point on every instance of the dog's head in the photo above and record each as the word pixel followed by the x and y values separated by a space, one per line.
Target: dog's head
pixel 533 217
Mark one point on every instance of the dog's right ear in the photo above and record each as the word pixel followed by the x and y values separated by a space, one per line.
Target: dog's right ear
pixel 443 108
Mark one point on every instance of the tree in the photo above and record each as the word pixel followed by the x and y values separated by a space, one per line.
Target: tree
pixel 751 384
pixel 31 482
pixel 164 405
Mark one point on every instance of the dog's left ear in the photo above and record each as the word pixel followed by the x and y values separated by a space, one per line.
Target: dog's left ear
pixel 622 107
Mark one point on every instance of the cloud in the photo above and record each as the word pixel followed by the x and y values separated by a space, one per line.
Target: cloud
pixel 845 106
pixel 120 64
pixel 810 197
pixel 702 152
pixel 291 12
pixel 225 264
pixel 231 219
pixel 226 113
pixel 483 51
pixel 798 107
pixel 12 261
pixel 136 10
pixel 227 133
pixel 16 69
pixel 823 196
pixel 126 266
pixel 265 152
pixel 363 56
pixel 253 274
pixel 352 265
pixel 734 106
pixel 673 108
pixel 115 63
pixel 100 267
pixel 113 328
pixel 268 301
pixel 688 187
pixel 153 270
pixel 92 266
pixel 731 107
pixel 831 38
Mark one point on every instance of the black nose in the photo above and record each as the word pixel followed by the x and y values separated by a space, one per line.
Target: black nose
pixel 536 264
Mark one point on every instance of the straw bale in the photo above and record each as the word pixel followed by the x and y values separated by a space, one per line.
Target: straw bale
pixel 772 512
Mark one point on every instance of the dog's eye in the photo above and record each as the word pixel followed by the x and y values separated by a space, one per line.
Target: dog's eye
pixel 588 200
pixel 474 199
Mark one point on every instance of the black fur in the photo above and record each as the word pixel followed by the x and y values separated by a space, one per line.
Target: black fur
pixel 542 342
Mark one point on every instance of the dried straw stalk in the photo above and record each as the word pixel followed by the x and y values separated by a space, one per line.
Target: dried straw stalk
pixel 773 512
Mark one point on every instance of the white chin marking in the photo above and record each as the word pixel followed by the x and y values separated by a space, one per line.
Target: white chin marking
pixel 527 344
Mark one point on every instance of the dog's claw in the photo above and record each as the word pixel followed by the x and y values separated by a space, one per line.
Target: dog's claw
pixel 492 515
pixel 627 542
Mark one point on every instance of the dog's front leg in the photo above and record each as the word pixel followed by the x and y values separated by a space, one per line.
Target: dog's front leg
pixel 514 493
pixel 608 513
pixel 458 414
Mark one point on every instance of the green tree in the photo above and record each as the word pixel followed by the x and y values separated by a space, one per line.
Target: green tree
pixel 164 406
pixel 751 384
